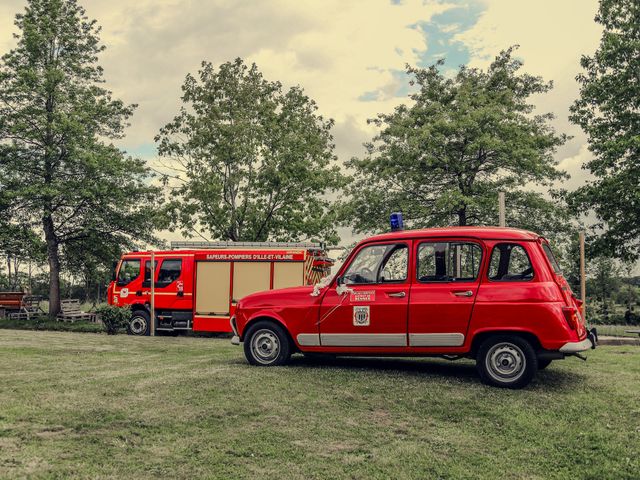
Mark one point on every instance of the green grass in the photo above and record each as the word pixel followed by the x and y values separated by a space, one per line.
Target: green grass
pixel 617 330
pixel 95 406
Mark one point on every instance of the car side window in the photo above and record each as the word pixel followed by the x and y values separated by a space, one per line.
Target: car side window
pixel 378 264
pixel 510 263
pixel 448 261
pixel 129 271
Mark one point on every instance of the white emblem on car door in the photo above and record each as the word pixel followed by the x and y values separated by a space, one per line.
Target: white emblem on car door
pixel 361 317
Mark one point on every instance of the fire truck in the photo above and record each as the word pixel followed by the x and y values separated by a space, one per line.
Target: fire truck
pixel 197 285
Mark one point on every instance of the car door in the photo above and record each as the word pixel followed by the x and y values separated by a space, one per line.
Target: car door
pixel 372 312
pixel 444 291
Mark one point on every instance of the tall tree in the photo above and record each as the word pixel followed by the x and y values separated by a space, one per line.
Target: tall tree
pixel 57 169
pixel 443 159
pixel 608 110
pixel 251 160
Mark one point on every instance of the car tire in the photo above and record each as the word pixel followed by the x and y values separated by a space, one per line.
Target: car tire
pixel 266 344
pixel 506 361
pixel 139 323
pixel 542 364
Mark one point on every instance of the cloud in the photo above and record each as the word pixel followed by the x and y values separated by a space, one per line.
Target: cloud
pixel 552 36
pixel 348 56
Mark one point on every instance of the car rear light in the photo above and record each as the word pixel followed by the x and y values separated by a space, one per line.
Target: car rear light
pixel 571 316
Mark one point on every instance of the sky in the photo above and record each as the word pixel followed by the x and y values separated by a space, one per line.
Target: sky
pixel 348 55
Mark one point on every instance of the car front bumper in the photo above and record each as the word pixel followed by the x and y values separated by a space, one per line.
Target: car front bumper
pixel 588 343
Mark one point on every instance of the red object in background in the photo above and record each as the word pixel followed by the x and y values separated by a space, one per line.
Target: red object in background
pixel 447 291
pixel 198 289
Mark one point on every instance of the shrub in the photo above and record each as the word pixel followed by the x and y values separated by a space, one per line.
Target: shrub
pixel 114 318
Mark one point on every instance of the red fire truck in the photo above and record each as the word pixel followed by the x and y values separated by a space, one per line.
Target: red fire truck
pixel 197 285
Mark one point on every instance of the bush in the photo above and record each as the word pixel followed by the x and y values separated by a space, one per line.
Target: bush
pixel 114 318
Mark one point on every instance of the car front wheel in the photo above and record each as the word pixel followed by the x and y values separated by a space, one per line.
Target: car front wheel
pixel 506 361
pixel 266 344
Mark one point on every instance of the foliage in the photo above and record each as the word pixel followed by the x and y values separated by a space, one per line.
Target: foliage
pixel 114 318
pixel 44 323
pixel 58 171
pixel 444 158
pixel 609 112
pixel 252 161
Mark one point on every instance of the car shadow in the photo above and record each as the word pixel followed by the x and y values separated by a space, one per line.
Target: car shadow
pixel 464 370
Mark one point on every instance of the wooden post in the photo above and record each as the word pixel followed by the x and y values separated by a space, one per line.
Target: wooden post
pixel 152 325
pixel 583 281
pixel 501 209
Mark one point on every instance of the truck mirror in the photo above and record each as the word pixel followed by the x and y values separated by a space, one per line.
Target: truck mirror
pixel 340 281
pixel 114 265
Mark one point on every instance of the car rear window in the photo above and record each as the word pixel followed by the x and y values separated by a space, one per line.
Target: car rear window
pixel 551 257
pixel 510 263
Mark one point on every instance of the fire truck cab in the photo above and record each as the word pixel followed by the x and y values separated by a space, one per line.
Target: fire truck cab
pixel 197 285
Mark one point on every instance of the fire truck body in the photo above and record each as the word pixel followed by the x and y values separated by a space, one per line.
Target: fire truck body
pixel 198 289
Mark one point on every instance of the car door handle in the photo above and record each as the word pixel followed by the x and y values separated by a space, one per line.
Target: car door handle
pixel 465 293
pixel 397 294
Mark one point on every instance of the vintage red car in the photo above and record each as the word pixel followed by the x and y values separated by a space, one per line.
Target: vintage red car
pixel 495 295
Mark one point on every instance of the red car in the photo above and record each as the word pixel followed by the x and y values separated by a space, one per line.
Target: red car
pixel 495 295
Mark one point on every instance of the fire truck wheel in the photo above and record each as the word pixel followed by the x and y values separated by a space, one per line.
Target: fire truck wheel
pixel 266 344
pixel 139 323
pixel 506 361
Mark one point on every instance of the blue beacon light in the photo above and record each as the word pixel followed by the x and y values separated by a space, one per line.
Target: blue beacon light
pixel 396 221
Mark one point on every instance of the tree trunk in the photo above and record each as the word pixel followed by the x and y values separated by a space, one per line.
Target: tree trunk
pixel 54 266
pixel 462 217
pixel 9 282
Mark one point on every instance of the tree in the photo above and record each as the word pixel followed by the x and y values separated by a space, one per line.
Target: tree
pixel 608 110
pixel 444 158
pixel 58 171
pixel 250 161
pixel 605 281
pixel 19 244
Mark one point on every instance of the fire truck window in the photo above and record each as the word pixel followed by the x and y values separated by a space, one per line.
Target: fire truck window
pixel 169 271
pixel 448 261
pixel 378 263
pixel 510 263
pixel 147 270
pixel 129 271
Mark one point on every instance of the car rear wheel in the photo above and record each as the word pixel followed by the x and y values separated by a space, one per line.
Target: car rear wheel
pixel 139 323
pixel 266 344
pixel 506 361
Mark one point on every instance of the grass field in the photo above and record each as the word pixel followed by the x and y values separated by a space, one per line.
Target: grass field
pixel 94 406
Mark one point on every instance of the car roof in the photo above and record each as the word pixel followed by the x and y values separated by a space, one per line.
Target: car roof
pixel 484 233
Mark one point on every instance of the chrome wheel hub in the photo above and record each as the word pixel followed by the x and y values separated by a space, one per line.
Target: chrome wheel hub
pixel 505 362
pixel 138 325
pixel 265 346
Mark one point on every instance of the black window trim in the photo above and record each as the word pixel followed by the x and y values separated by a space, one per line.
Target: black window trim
pixel 511 242
pixel 446 240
